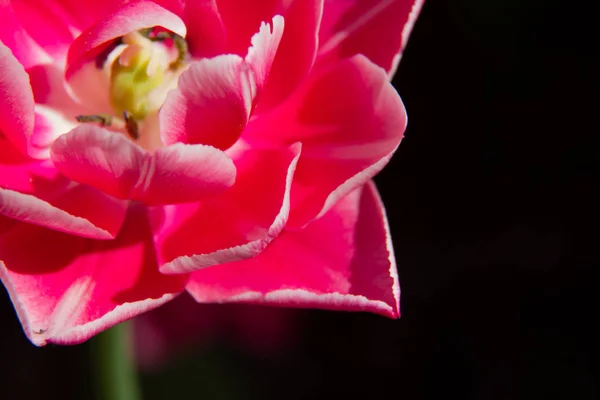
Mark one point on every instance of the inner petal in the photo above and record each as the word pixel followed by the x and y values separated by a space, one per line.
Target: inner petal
pixel 132 79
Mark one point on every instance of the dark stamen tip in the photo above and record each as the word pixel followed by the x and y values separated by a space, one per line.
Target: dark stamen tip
pixel 131 125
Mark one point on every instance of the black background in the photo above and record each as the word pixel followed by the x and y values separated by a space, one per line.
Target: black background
pixel 492 201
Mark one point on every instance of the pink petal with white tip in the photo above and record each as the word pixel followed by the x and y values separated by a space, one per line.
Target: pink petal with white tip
pixel 343 261
pixel 33 191
pixel 216 96
pixel 238 224
pixel 349 119
pixel 378 29
pixel 66 289
pixel 119 167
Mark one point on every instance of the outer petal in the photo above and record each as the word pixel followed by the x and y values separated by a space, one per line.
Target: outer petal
pixel 344 261
pixel 129 17
pixel 236 225
pixel 379 29
pixel 349 119
pixel 117 166
pixel 69 289
pixel 216 96
pixel 33 191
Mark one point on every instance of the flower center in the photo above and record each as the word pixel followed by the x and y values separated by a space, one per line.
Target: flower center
pixel 142 68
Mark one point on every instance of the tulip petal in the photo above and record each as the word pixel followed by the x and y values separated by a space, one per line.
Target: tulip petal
pixel 66 289
pixel 211 105
pixel 32 191
pixel 378 29
pixel 343 261
pixel 349 119
pixel 206 33
pixel 242 19
pixel 119 167
pixel 42 21
pixel 215 96
pixel 13 36
pixel 72 15
pixel 16 101
pixel 265 44
pixel 296 52
pixel 129 17
pixel 236 225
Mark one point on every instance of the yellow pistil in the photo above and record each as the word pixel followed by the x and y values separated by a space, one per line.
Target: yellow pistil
pixel 135 74
pixel 142 68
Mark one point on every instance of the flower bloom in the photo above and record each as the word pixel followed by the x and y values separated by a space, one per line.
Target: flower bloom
pixel 219 147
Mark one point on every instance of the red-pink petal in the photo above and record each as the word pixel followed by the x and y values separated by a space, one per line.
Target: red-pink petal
pixel 296 52
pixel 75 15
pixel 243 18
pixel 129 17
pixel 43 22
pixel 349 119
pixel 66 289
pixel 16 101
pixel 211 105
pixel 215 96
pixel 119 167
pixel 343 261
pixel 264 48
pixel 12 35
pixel 32 191
pixel 206 34
pixel 235 225
pixel 379 29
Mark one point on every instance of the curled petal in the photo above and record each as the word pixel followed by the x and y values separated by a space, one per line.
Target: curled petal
pixel 378 29
pixel 236 225
pixel 129 17
pixel 32 191
pixel 349 119
pixel 66 289
pixel 211 105
pixel 343 261
pixel 215 96
pixel 119 167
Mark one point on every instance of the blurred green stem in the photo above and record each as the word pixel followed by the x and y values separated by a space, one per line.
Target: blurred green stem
pixel 114 368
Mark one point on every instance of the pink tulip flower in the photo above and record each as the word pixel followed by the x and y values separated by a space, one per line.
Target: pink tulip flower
pixel 219 147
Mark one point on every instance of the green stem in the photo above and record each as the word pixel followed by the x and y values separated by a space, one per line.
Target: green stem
pixel 114 369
